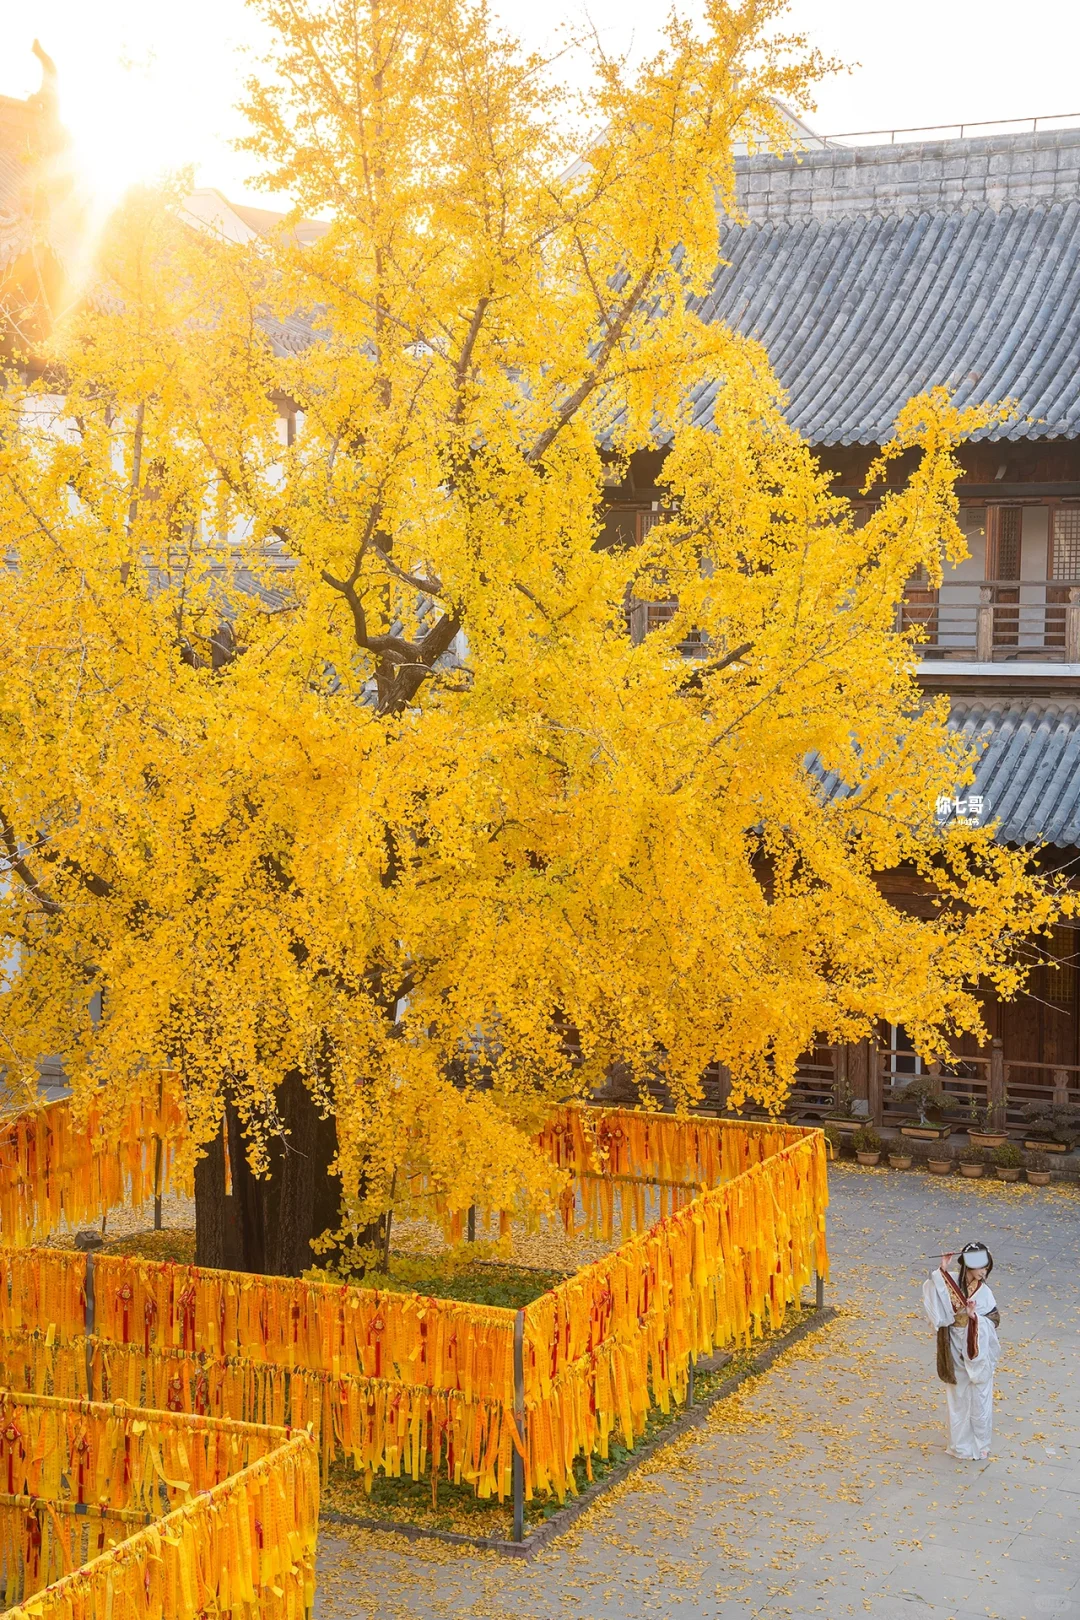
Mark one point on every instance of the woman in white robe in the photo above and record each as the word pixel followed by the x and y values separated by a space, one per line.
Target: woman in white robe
pixel 964 1311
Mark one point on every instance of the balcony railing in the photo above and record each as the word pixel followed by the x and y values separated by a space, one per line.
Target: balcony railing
pixel 646 616
pixel 983 621
pixel 996 621
pixel 974 1086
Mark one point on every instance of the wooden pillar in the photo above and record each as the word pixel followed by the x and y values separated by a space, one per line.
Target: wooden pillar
pixel 1061 1088
pixel 984 628
pixel 996 1091
pixel 1072 628
pixel 876 1083
pixel 858 1070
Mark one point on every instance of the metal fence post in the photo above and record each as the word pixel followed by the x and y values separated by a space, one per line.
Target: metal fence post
pixel 819 1291
pixel 518 1463
pixel 89 1320
pixel 158 1155
pixel 690 1382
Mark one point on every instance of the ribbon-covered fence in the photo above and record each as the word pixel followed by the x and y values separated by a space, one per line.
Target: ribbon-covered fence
pixel 57 1166
pixel 724 1265
pixel 392 1381
pixel 723 1226
pixel 109 1511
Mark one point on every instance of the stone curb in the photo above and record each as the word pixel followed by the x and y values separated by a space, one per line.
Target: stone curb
pixel 549 1529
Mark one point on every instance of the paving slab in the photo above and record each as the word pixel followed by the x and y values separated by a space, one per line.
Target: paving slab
pixel 823 1488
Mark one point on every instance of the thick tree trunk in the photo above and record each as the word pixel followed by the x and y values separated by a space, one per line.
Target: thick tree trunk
pixel 210 1201
pixel 268 1223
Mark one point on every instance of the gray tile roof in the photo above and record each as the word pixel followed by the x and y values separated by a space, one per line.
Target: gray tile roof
pixel 1028 772
pixel 859 313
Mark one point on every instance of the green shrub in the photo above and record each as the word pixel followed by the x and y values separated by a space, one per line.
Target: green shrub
pixel 866 1140
pixel 834 1137
pixel 973 1155
pixel 1008 1155
pixel 924 1095
pixel 1060 1121
pixel 1037 1161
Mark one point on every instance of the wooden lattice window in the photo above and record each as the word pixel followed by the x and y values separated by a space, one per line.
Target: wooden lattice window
pixel 1065 550
pixel 1005 558
pixel 1059 975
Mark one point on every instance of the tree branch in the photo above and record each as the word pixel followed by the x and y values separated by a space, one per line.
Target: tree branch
pixel 22 870
pixel 465 358
pixel 395 647
pixel 591 380
pixel 530 597
pixel 399 690
pixel 698 675
pixel 136 485
pixel 430 587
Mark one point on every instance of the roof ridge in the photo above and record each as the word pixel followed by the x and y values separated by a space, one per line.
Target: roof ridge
pixel 888 215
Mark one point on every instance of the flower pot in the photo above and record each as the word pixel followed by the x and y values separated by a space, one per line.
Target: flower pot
pixel 1040 1144
pixel 846 1126
pixel 972 1170
pixel 900 1161
pixel 939 1167
pixel 1039 1178
pixel 868 1158
pixel 926 1133
pixel 987 1139
pixel 1009 1172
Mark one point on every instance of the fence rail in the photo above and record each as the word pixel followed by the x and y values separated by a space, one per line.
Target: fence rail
pixel 988 1086
pixel 505 1402
pixel 58 1166
pixel 946 131
pixel 228 1514
pixel 994 621
pixel 981 621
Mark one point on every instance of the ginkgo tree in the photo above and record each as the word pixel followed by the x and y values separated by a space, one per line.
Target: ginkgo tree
pixel 331 780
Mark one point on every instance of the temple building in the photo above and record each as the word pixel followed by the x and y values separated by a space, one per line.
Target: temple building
pixel 870 274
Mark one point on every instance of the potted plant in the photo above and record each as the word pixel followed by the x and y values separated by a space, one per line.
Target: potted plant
pixel 924 1094
pixel 1051 1127
pixel 834 1139
pixel 1038 1169
pixel 867 1145
pixel 939 1161
pixel 972 1162
pixel 900 1157
pixel 980 1129
pixel 843 1117
pixel 1008 1159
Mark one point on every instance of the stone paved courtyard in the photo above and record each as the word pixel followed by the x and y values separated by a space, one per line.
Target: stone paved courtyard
pixel 824 1488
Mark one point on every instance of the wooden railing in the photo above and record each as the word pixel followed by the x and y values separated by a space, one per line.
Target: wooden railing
pixel 646 616
pixel 987 1087
pixel 982 621
pixel 995 620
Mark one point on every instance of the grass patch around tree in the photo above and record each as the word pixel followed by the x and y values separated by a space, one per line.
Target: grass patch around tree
pixel 172 1244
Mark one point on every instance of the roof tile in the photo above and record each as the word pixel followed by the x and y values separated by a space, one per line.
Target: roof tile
pixel 859 313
